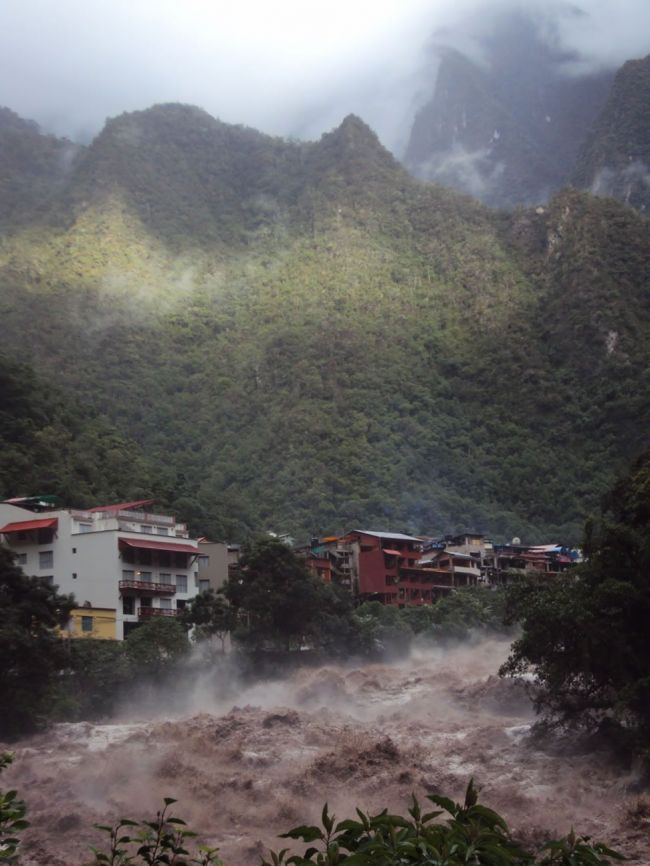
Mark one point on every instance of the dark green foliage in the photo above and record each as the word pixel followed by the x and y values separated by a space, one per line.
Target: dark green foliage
pixel 31 650
pixel 12 819
pixel 471 834
pixel 211 616
pixel 463 614
pixel 156 646
pixel 49 444
pixel 162 842
pixel 98 674
pixel 586 637
pixel 281 605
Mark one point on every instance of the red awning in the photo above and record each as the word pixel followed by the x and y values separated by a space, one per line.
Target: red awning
pixel 393 552
pixel 24 525
pixel 158 545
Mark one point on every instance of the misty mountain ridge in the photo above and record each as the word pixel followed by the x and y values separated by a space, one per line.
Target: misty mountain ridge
pixel 302 336
pixel 517 117
pixel 615 158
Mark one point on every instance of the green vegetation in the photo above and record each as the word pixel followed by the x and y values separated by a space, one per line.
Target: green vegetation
pixel 48 442
pixel 281 606
pixel 586 637
pixel 305 338
pixel 211 616
pixel 31 651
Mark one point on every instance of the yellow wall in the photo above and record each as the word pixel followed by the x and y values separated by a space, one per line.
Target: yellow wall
pixel 103 622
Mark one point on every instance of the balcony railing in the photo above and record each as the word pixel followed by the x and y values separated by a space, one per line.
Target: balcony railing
pixel 146 612
pixel 147 586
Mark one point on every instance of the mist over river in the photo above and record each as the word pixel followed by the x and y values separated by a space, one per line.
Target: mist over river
pixel 248 763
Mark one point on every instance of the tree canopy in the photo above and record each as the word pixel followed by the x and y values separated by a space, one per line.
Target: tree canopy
pixel 30 646
pixel 586 637
pixel 280 604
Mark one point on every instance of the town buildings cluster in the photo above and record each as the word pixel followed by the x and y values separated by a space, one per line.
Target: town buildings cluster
pixel 126 563
pixel 401 570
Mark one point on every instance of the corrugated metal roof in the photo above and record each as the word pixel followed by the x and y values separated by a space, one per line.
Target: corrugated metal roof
pixel 397 536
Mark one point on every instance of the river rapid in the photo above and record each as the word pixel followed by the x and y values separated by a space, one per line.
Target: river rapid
pixel 248 763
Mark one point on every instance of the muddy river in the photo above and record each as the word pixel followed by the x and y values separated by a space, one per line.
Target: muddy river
pixel 246 764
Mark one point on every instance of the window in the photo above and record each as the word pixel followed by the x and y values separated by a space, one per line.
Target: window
pixel 144 557
pixel 45 559
pixel 48 579
pixel 146 529
pixel 166 603
pixel 128 606
pixel 74 575
pixel 180 560
pixel 85 527
pixel 161 530
pixel 204 562
pixel 180 604
pixel 21 559
pixel 181 582
pixel 86 623
pixel 74 549
pixel 164 558
pixel 144 575
pixel 204 585
pixel 127 575
pixel 145 602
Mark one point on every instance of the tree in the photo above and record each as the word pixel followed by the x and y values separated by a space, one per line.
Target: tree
pixel 211 616
pixel 31 649
pixel 99 673
pixel 279 603
pixel 586 636
pixel 155 646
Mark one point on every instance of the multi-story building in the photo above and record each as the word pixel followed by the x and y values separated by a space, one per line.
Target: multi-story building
pixel 381 566
pixel 214 562
pixel 124 563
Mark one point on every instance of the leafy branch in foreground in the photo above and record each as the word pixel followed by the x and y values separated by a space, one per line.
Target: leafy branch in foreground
pixel 161 842
pixel 473 834
pixel 12 818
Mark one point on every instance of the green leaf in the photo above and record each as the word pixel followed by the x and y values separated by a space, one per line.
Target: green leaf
pixel 306 833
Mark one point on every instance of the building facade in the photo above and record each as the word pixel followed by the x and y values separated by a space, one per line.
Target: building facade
pixel 124 563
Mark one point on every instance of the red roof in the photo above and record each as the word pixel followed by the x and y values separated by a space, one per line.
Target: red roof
pixel 393 552
pixel 24 525
pixel 158 545
pixel 123 506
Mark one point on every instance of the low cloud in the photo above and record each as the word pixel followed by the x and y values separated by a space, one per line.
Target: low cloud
pixel 287 68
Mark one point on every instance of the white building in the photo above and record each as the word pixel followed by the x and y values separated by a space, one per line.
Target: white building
pixel 123 563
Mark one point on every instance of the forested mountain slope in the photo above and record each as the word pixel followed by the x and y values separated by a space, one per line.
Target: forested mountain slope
pixel 51 445
pixel 308 338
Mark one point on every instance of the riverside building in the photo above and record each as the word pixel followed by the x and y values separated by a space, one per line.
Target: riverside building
pixel 124 563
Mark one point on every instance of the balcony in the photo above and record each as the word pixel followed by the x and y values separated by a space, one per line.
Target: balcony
pixel 147 586
pixel 148 612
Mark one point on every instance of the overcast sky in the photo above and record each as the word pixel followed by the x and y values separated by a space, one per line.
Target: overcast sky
pixel 283 66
